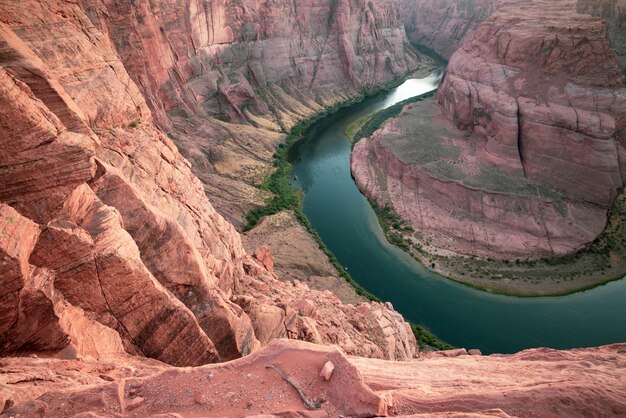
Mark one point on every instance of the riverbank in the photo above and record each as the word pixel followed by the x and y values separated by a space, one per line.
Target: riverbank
pixel 287 202
pixel 456 313
pixel 601 262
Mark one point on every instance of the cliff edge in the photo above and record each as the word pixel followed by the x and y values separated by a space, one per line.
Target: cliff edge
pixel 521 154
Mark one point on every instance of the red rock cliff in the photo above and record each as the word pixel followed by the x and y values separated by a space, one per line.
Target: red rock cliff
pixel 614 14
pixel 224 77
pixel 529 136
pixel 443 25
pixel 108 241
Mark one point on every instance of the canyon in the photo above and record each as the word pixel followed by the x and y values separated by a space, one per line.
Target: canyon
pixel 134 136
pixel 216 74
pixel 443 26
pixel 520 155
pixel 105 224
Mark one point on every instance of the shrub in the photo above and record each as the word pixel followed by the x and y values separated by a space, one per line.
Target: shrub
pixel 425 337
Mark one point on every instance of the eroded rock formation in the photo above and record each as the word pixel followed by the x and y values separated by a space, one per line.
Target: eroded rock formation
pixel 613 12
pixel 538 382
pixel 523 152
pixel 224 77
pixel 111 255
pixel 443 25
pixel 109 243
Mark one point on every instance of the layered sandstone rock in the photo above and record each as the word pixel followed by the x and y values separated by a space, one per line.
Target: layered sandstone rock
pixel 293 310
pixel 225 77
pixel 538 382
pixel 443 25
pixel 109 242
pixel 613 12
pixel 524 153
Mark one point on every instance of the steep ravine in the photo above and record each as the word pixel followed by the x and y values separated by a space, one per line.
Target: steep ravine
pixel 225 78
pixel 443 25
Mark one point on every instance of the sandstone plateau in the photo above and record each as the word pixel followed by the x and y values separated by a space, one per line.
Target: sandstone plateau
pixel 538 382
pixel 523 150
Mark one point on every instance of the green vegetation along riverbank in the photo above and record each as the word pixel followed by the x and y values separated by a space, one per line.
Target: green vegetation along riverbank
pixel 602 262
pixel 287 197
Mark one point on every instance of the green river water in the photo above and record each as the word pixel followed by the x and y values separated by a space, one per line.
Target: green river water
pixel 457 314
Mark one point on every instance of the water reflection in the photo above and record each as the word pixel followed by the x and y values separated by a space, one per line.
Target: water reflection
pixel 460 315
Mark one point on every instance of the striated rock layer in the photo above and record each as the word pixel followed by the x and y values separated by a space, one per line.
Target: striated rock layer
pixel 538 382
pixel 523 152
pixel 444 25
pixel 613 12
pixel 224 78
pixel 108 243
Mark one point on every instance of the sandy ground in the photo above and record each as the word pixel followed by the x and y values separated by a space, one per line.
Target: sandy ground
pixel 297 256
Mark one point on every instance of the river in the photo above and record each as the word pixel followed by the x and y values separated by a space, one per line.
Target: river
pixel 457 314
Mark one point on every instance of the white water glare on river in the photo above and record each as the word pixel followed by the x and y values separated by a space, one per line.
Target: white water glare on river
pixel 457 314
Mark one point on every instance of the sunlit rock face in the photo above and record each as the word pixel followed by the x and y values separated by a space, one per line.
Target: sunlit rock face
pixel 537 382
pixel 523 153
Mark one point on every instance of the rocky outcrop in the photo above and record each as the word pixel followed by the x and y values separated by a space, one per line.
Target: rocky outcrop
pixel 223 78
pixel 297 256
pixel 528 150
pixel 293 310
pixel 613 12
pixel 443 26
pixel 108 241
pixel 538 382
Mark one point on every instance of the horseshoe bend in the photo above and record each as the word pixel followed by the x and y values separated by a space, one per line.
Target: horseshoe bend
pixel 326 208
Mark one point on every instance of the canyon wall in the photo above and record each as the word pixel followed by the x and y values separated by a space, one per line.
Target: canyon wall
pixel 443 25
pixel 613 12
pixel 108 242
pixel 527 132
pixel 111 254
pixel 224 78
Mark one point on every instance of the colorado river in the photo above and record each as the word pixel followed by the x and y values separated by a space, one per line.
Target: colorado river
pixel 458 314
